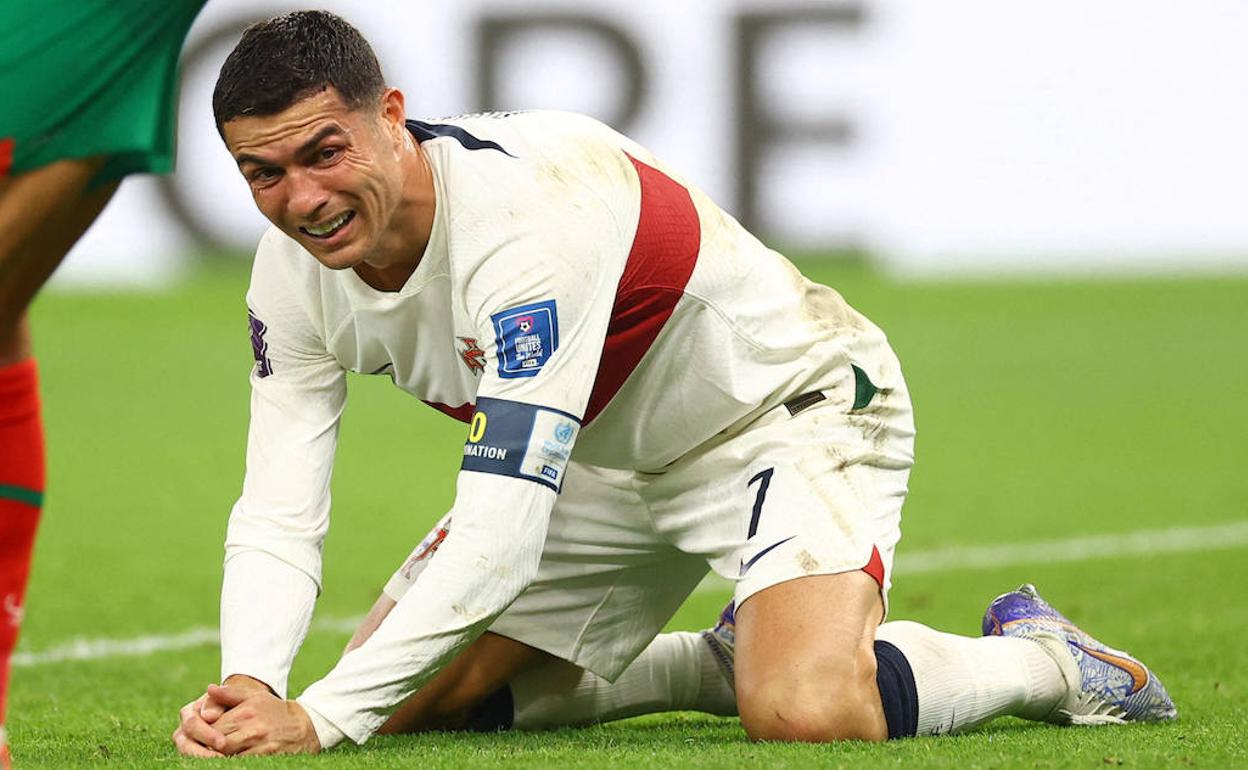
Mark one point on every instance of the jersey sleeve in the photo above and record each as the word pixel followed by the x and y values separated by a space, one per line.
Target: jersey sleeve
pixel 543 297
pixel 488 558
pixel 273 542
pixel 542 303
pixel 545 301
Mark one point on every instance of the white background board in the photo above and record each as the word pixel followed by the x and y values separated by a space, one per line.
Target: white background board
pixel 978 136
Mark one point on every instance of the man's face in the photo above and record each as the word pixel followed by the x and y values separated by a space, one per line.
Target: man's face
pixel 327 176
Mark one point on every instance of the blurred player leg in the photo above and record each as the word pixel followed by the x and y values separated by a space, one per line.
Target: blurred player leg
pixel 42 214
pixel 21 495
pixel 76 117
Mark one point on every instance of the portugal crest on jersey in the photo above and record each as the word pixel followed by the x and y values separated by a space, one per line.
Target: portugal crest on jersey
pixel 472 355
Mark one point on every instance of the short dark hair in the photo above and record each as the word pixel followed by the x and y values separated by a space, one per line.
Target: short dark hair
pixel 280 61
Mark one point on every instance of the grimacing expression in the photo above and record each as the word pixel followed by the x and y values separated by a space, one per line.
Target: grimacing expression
pixel 328 176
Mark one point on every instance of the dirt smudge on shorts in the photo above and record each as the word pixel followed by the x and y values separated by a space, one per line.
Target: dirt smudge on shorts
pixel 838 457
pixel 831 504
pixel 874 430
pixel 806 562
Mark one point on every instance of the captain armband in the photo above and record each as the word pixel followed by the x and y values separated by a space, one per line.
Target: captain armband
pixel 509 438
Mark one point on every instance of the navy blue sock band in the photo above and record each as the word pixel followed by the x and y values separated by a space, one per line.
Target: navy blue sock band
pixel 897 691
pixel 494 714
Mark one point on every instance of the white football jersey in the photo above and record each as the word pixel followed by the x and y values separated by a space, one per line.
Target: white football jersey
pixel 576 299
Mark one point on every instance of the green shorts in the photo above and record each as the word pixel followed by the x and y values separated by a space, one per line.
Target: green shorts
pixel 81 78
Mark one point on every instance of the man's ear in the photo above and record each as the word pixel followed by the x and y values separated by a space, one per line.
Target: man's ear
pixel 393 112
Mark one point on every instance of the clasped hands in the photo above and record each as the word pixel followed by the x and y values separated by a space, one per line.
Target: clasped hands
pixel 243 717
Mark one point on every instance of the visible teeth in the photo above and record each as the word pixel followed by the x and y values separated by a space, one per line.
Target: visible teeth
pixel 329 226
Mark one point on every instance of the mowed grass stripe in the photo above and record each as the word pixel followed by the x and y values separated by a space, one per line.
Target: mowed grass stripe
pixel 1139 543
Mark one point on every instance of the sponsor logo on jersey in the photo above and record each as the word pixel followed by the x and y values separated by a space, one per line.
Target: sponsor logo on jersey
pixel 510 438
pixel 526 337
pixel 259 348
pixel 472 355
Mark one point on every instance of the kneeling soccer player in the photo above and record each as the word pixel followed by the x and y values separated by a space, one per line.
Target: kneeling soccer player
pixel 649 391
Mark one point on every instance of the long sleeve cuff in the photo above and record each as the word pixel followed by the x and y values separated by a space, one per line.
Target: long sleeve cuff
pixel 327 733
pixel 486 561
pixel 266 607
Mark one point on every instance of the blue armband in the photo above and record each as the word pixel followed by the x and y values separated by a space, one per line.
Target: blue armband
pixel 530 442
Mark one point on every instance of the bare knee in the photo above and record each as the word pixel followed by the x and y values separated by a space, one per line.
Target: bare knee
pixel 806 660
pixel 835 705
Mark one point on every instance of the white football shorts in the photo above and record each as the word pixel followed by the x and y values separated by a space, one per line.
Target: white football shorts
pixel 812 487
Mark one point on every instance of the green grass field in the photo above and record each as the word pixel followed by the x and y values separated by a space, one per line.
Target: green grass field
pixel 1045 411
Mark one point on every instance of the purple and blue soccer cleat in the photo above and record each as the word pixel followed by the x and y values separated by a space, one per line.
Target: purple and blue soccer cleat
pixel 722 639
pixel 1105 686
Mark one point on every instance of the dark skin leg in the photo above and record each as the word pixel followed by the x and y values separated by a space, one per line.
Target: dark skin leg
pixel 42 214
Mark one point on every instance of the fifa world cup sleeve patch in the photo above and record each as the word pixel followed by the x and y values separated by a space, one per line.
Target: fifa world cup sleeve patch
pixel 259 348
pixel 526 337
pixel 508 438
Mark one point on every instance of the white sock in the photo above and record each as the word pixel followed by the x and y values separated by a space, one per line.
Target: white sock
pixel 677 672
pixel 963 681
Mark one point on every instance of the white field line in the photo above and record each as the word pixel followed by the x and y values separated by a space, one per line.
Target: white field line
pixel 140 646
pixel 1139 543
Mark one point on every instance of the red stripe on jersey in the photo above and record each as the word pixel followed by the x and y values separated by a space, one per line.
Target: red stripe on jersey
pixel 463 413
pixel 665 249
pixel 875 566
